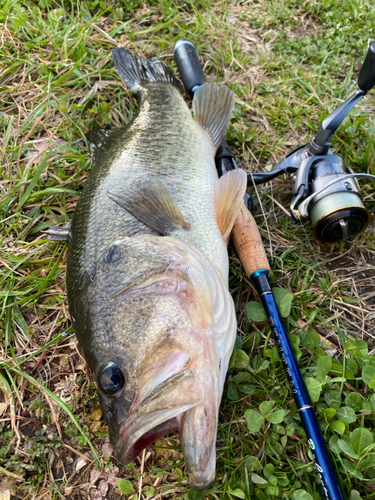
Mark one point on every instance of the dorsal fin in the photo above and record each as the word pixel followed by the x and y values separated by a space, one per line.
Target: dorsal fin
pixel 150 201
pixel 229 192
pixel 212 107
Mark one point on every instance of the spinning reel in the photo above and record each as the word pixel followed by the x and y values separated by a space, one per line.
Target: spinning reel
pixel 324 188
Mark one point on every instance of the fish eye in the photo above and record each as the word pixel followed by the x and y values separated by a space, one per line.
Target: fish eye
pixel 111 379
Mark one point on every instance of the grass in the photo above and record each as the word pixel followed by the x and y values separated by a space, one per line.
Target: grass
pixel 289 65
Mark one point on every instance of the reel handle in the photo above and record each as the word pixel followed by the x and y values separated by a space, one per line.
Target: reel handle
pixel 366 81
pixel 366 77
pixel 189 66
pixel 248 243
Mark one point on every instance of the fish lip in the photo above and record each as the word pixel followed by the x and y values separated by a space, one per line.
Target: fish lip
pixel 129 443
pixel 140 425
pixel 128 450
pixel 200 485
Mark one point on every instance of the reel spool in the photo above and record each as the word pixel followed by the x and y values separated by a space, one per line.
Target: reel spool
pixel 324 188
pixel 334 205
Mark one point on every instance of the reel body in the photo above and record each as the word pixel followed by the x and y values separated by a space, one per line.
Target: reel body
pixel 324 188
pixel 335 206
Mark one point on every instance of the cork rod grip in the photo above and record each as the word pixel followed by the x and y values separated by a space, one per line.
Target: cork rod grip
pixel 248 243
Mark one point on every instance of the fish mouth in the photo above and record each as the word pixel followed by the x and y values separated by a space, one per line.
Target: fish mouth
pixel 157 432
pixel 148 422
pixel 128 448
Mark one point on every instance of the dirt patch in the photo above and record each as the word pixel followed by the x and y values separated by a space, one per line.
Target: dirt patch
pixel 309 26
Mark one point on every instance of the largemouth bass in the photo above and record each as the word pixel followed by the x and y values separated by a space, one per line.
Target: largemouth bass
pixel 148 267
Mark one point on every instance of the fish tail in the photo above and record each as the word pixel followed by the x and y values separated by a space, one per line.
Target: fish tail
pixel 212 107
pixel 134 70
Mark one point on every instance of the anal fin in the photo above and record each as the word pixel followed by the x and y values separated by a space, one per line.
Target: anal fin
pixel 151 202
pixel 229 192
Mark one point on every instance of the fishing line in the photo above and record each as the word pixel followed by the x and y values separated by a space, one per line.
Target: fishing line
pixel 264 217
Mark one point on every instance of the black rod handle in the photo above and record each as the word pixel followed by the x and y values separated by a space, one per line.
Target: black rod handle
pixel 366 78
pixel 225 161
pixel 188 65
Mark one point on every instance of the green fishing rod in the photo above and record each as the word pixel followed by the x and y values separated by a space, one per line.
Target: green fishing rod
pixel 250 249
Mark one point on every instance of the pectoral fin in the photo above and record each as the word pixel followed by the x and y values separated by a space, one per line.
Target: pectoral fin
pixel 151 203
pixel 229 192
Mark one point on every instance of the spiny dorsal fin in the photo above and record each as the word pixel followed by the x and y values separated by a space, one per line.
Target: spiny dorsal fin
pixel 134 70
pixel 212 107
pixel 229 192
pixel 151 202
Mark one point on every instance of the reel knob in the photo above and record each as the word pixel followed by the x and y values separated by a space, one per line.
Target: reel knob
pixel 336 213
